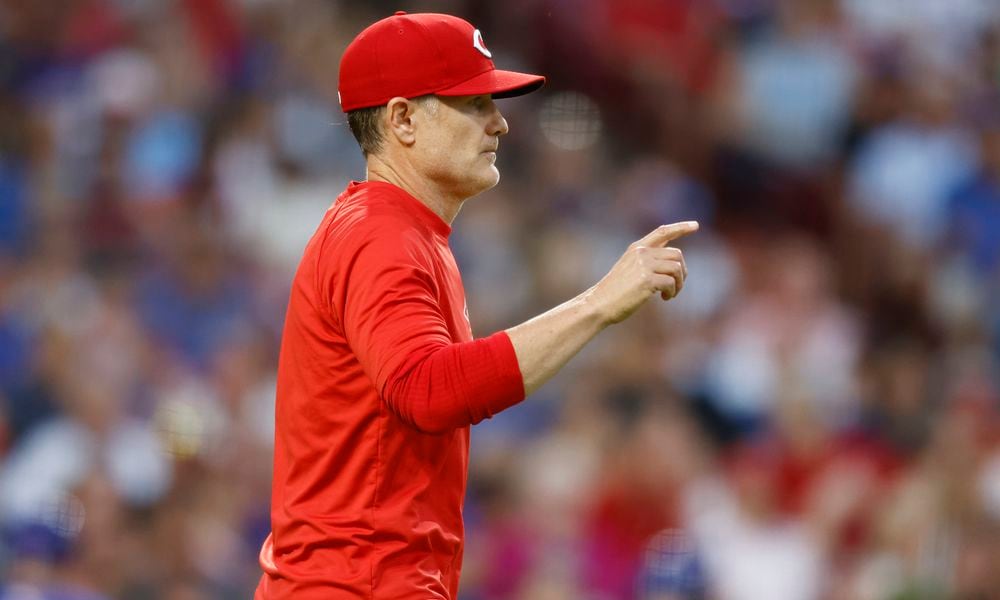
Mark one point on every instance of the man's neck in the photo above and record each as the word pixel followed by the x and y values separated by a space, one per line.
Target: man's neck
pixel 423 190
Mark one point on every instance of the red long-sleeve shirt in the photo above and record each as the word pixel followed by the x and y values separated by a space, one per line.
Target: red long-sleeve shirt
pixel 379 379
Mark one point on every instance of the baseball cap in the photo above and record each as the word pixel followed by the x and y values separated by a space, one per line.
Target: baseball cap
pixel 412 55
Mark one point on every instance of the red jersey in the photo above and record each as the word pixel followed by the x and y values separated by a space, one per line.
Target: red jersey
pixel 379 379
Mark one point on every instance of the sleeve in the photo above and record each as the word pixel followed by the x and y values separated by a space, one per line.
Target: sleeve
pixel 394 325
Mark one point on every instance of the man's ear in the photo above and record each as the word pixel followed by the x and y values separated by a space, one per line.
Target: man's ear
pixel 399 120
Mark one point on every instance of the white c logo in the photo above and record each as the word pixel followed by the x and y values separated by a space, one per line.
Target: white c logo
pixel 478 44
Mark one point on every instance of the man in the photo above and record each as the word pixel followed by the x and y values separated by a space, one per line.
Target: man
pixel 379 377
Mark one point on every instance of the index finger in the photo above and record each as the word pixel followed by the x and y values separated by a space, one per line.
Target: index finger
pixel 668 233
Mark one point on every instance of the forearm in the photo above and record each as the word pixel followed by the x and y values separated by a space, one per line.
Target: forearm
pixel 461 384
pixel 457 385
pixel 544 344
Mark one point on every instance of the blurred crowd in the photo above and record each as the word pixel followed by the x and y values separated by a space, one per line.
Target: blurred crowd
pixel 816 417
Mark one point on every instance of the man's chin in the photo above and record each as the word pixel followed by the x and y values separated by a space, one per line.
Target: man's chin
pixel 495 180
pixel 488 181
pixel 474 181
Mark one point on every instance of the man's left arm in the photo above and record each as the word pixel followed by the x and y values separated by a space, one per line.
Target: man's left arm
pixel 390 315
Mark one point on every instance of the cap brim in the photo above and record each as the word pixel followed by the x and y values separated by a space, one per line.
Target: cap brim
pixel 500 84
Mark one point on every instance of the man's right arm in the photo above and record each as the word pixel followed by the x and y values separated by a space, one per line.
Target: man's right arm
pixel 544 344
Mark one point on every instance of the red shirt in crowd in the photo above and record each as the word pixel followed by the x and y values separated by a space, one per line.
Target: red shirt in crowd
pixel 379 380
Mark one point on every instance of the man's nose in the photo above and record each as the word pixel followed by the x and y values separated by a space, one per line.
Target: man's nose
pixel 498 124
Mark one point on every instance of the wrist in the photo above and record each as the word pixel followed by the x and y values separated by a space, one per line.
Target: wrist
pixel 594 309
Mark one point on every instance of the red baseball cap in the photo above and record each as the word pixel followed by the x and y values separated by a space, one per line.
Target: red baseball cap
pixel 414 55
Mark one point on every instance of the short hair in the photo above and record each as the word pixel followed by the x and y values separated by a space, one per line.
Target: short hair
pixel 366 123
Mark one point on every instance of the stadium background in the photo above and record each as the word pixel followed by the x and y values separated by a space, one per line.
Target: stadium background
pixel 815 417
